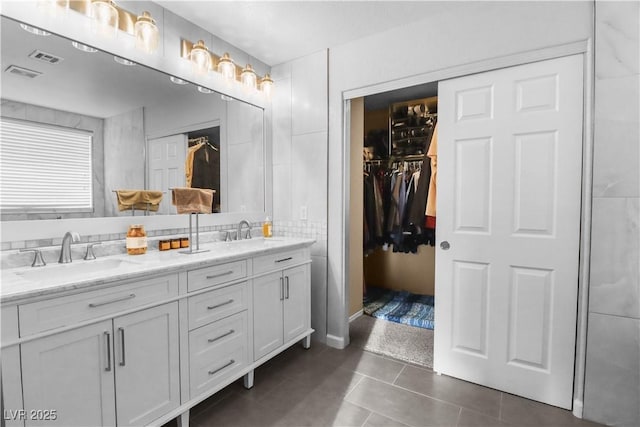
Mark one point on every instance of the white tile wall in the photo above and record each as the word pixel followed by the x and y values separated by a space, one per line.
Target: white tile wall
pixel 309 93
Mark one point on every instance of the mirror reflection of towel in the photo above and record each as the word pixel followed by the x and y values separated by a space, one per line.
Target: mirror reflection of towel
pixel 139 199
pixel 192 200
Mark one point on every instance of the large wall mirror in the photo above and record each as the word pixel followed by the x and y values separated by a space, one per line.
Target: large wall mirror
pixel 141 123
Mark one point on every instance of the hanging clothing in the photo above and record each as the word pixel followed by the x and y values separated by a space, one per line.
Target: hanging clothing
pixel 433 155
pixel 188 164
pixel 420 200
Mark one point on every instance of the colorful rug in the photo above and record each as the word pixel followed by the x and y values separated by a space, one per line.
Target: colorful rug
pixel 400 307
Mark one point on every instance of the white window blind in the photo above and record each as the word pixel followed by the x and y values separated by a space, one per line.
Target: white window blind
pixel 44 168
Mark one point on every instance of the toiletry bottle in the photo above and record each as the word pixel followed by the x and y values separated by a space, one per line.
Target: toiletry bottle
pixel 267 230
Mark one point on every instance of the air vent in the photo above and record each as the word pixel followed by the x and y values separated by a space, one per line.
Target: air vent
pixel 22 72
pixel 45 57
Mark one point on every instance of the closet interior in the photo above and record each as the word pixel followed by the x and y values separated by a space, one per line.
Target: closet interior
pixel 203 162
pixel 399 165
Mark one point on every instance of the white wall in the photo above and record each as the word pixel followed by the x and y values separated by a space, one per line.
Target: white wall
pixel 299 109
pixel 612 383
pixel 457 33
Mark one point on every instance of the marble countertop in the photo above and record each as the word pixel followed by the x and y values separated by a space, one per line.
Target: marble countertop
pixel 22 283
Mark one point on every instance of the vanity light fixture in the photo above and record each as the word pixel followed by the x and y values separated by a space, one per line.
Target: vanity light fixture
pixel 83 47
pixel 34 30
pixel 178 81
pixel 204 90
pixel 200 58
pixel 225 66
pixel 146 32
pixel 105 17
pixel 123 61
pixel 248 78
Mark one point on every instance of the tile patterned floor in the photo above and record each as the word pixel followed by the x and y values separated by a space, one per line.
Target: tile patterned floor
pixel 323 386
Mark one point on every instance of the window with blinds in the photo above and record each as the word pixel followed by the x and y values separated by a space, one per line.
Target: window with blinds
pixel 44 168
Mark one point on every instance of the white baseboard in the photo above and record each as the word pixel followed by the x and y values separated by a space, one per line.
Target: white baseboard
pixel 354 316
pixel 336 342
pixel 578 406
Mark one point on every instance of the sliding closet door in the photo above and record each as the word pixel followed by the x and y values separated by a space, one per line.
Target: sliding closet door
pixel 508 212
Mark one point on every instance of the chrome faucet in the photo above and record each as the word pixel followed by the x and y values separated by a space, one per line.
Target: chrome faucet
pixel 65 249
pixel 239 230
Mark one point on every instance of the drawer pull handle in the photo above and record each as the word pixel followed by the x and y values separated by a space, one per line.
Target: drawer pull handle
pixel 221 336
pixel 121 330
pixel 284 259
pixel 213 307
pixel 124 298
pixel 215 276
pixel 231 362
pixel 108 339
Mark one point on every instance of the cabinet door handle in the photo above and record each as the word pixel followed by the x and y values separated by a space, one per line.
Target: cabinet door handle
pixel 121 331
pixel 213 307
pixel 111 301
pixel 231 362
pixel 281 289
pixel 215 276
pixel 286 278
pixel 284 259
pixel 108 339
pixel 231 331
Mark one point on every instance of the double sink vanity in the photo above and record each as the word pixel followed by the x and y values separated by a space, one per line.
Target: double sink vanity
pixel 138 340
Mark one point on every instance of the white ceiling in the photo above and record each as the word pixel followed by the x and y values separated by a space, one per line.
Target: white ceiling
pixel 278 31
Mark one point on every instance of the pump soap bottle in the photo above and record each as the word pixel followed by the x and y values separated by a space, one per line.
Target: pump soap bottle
pixel 267 229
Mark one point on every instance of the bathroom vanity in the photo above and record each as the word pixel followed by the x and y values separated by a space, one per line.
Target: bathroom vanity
pixel 139 340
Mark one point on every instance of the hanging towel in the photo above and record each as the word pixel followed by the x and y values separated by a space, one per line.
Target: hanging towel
pixel 192 200
pixel 139 199
pixel 433 155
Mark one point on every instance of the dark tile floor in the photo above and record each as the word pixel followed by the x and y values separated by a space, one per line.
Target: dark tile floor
pixel 323 386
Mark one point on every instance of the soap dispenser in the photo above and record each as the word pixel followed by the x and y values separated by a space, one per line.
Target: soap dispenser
pixel 267 229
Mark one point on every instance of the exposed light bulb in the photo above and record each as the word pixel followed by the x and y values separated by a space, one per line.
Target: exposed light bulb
pixel 83 47
pixel 105 17
pixel 146 33
pixel 227 68
pixel 200 58
pixel 177 80
pixel 34 30
pixel 123 61
pixel 248 78
pixel 266 84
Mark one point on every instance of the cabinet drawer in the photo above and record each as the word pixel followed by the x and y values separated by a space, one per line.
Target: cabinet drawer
pixel 218 274
pixel 217 304
pixel 64 311
pixel 278 261
pixel 217 352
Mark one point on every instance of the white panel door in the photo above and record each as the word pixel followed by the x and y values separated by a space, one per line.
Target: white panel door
pixel 509 185
pixel 296 315
pixel 165 167
pixel 147 364
pixel 70 373
pixel 268 297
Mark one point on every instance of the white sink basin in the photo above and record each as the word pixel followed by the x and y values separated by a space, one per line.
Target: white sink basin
pixel 73 269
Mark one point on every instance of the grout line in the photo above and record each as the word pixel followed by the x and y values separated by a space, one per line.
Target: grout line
pixel 391 418
pixel 366 419
pixel 398 376
pixel 500 407
pixel 459 416
pixel 353 388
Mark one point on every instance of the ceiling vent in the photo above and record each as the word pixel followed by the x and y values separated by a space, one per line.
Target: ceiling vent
pixel 45 57
pixel 22 72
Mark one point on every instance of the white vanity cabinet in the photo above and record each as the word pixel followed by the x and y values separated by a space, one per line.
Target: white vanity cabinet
pixel 282 310
pixel 129 362
pixel 141 349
